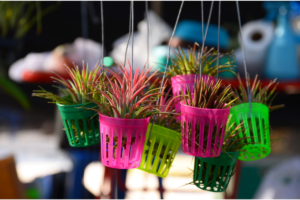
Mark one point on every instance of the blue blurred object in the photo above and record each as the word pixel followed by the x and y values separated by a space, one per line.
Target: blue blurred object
pixel 191 31
pixel 282 61
pixel 272 8
pixel 81 158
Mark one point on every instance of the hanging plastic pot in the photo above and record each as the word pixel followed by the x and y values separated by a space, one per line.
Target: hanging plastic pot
pixel 81 125
pixel 214 174
pixel 256 127
pixel 203 130
pixel 159 150
pixel 182 82
pixel 122 141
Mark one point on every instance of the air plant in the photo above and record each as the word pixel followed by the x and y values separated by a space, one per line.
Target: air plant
pixel 183 65
pixel 76 91
pixel 206 95
pixel 258 94
pixel 263 95
pixel 125 98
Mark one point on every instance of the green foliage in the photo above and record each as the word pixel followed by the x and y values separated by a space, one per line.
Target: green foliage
pixel 235 138
pixel 14 91
pixel 20 16
pixel 126 100
pixel 81 86
pixel 182 64
pixel 263 95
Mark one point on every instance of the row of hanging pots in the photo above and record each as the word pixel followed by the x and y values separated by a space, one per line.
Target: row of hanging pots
pixel 123 143
pixel 203 134
pixel 122 140
pixel 132 142
pixel 199 123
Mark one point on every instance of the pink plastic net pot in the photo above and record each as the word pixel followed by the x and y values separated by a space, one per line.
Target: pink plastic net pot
pixel 203 130
pixel 182 82
pixel 122 141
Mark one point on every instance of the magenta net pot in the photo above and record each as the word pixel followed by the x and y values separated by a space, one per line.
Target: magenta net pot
pixel 182 82
pixel 122 141
pixel 203 130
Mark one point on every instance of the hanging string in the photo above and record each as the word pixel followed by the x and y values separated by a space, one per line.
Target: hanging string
pixel 169 47
pixel 102 31
pixel 129 35
pixel 204 38
pixel 132 35
pixel 202 19
pixel 243 53
pixel 219 27
pixel 147 19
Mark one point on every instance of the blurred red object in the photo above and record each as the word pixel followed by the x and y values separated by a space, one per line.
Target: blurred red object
pixel 40 77
pixel 289 87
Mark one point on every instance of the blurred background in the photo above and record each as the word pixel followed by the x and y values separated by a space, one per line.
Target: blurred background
pixel 37 38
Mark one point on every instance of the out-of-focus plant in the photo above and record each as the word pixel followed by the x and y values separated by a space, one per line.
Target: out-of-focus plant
pixel 19 17
pixel 258 94
pixel 14 91
pixel 184 64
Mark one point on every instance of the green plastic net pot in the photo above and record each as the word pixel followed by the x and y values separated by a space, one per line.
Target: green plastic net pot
pixel 81 130
pixel 214 174
pixel 257 130
pixel 159 150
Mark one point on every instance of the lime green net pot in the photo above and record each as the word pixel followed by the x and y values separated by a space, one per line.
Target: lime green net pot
pixel 81 130
pixel 159 150
pixel 214 174
pixel 257 130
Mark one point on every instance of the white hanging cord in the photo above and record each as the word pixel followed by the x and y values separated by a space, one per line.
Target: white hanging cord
pixel 202 19
pixel 219 27
pixel 132 35
pixel 169 48
pixel 243 53
pixel 129 35
pixel 147 19
pixel 162 83
pixel 102 31
pixel 203 39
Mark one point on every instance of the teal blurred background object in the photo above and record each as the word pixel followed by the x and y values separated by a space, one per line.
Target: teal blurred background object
pixel 282 60
pixel 161 52
pixel 108 61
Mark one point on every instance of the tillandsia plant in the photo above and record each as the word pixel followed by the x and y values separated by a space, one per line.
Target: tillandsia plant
pixel 206 95
pixel 264 96
pixel 126 99
pixel 76 91
pixel 183 65
pixel 258 94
